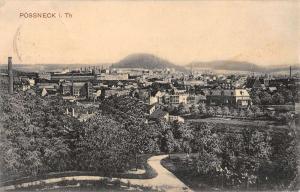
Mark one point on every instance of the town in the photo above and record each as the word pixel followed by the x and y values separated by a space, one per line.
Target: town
pixel 168 93
pixel 238 128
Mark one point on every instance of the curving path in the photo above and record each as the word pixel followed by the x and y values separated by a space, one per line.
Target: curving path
pixel 164 180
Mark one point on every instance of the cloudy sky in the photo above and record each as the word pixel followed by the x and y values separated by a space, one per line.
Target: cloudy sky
pixel 266 33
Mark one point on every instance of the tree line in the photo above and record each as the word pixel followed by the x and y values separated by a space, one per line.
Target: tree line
pixel 252 112
pixel 250 158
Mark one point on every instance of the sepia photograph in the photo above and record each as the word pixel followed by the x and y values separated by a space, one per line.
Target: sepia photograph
pixel 149 95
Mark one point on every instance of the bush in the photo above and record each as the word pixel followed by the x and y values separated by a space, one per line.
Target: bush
pixel 117 183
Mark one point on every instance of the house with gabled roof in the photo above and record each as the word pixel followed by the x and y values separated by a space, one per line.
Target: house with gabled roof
pixel 229 97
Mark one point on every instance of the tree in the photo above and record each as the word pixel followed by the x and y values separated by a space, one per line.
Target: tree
pixel 226 111
pixel 256 100
pixel 231 149
pixel 182 109
pixel 285 118
pixel 235 113
pixel 211 111
pixel 218 110
pixel 244 156
pixel 284 155
pixel 242 113
pixel 169 142
pixel 256 111
pixel 249 113
pixel 257 151
pixel 183 135
pixel 265 98
pixel 43 137
pixel 207 144
pixel 288 95
pixel 106 145
pixel 202 109
pixel 278 99
pixel 194 110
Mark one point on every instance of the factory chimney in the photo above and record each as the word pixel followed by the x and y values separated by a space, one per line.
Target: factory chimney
pixel 10 76
pixel 290 71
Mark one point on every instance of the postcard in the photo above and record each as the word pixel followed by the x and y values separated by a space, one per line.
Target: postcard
pixel 151 95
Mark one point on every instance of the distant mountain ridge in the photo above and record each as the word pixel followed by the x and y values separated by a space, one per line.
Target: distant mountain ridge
pixel 146 61
pixel 150 61
pixel 226 65
pixel 239 66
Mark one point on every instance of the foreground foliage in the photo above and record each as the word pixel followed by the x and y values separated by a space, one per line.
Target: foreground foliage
pixel 37 137
pixel 247 159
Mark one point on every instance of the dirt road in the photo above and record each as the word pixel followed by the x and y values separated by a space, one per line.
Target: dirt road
pixel 164 180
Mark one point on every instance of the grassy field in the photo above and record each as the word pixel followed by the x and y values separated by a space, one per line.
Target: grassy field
pixel 237 125
pixel 238 121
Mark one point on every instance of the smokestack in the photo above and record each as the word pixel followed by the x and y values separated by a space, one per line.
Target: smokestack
pixel 10 76
pixel 290 71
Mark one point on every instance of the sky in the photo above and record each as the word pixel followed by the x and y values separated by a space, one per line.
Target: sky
pixel 262 32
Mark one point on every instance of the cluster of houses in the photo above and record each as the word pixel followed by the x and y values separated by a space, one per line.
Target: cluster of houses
pixel 175 88
pixel 172 96
pixel 160 87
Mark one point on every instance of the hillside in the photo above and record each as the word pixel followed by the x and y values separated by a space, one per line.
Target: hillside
pixel 146 61
pixel 226 65
pixel 150 61
pixel 239 66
